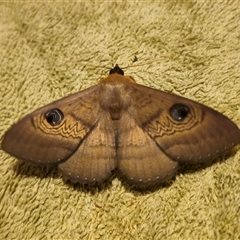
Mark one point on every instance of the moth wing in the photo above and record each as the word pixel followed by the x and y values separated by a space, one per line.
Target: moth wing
pixel 34 139
pixel 140 161
pixel 95 158
pixel 203 134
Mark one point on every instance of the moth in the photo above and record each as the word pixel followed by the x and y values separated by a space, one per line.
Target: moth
pixel 142 132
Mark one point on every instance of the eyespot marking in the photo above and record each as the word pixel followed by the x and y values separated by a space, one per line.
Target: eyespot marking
pixel 54 116
pixel 179 112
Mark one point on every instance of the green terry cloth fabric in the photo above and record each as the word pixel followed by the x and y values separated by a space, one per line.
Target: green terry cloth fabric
pixel 49 50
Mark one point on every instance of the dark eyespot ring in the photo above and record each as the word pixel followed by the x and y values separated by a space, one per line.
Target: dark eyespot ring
pixel 54 116
pixel 179 111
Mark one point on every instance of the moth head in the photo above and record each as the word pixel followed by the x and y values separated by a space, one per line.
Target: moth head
pixel 116 69
pixel 54 116
pixel 179 111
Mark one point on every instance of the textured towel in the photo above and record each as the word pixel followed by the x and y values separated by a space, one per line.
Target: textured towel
pixel 190 48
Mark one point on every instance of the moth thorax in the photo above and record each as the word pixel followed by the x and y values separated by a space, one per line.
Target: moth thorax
pixel 115 100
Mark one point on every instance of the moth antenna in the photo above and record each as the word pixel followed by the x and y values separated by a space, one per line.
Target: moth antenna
pixel 114 66
pixel 141 64
pixel 115 69
pixel 91 65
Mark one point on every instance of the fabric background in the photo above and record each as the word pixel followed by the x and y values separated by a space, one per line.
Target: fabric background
pixel 191 48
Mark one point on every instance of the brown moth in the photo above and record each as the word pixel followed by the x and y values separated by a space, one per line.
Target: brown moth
pixel 118 124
